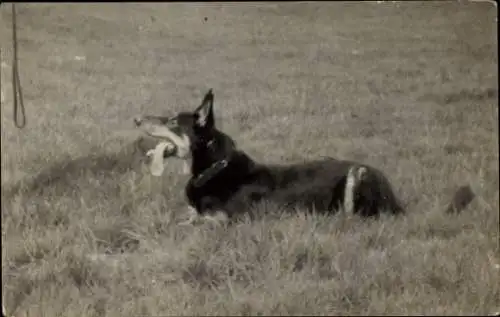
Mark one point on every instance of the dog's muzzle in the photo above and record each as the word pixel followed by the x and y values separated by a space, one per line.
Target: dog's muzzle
pixel 158 156
pixel 163 149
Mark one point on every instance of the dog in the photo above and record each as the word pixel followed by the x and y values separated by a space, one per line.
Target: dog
pixel 226 181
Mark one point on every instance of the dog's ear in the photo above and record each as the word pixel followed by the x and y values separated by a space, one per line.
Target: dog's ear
pixel 205 112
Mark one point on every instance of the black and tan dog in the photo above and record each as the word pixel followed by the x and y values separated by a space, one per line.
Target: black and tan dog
pixel 225 179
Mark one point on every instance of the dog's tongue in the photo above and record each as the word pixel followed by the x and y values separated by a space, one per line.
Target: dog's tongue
pixel 157 158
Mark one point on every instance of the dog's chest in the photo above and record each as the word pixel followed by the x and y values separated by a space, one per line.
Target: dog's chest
pixel 212 195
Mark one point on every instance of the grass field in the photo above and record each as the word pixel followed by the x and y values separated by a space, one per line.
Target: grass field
pixel 411 88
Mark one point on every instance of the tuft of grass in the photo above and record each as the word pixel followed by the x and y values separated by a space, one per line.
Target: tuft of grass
pixel 86 231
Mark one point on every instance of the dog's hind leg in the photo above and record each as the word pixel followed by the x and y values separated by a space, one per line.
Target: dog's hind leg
pixel 354 178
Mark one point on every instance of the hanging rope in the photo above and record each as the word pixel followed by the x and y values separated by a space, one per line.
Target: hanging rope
pixel 19 118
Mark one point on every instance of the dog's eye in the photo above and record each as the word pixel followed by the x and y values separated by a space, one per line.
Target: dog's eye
pixel 172 122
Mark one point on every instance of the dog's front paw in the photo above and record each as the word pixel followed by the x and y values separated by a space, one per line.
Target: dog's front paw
pixel 188 222
pixel 193 216
pixel 217 218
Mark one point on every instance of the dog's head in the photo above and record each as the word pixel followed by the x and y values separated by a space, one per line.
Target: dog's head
pixel 190 135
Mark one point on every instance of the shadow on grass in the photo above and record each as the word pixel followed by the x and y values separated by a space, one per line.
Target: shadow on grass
pixel 63 176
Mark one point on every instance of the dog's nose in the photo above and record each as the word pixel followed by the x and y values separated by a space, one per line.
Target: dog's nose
pixel 137 121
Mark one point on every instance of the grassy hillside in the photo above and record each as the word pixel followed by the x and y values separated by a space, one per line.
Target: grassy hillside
pixel 411 88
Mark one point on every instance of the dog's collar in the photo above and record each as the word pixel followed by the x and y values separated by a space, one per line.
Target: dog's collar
pixel 213 170
pixel 210 172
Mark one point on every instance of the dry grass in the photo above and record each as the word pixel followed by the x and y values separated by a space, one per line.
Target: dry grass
pixel 410 88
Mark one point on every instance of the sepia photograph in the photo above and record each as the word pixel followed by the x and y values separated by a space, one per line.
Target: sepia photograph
pixel 336 158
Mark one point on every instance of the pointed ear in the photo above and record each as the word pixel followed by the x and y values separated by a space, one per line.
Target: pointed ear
pixel 205 112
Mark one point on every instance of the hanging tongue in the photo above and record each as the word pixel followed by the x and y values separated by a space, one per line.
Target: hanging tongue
pixel 157 157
